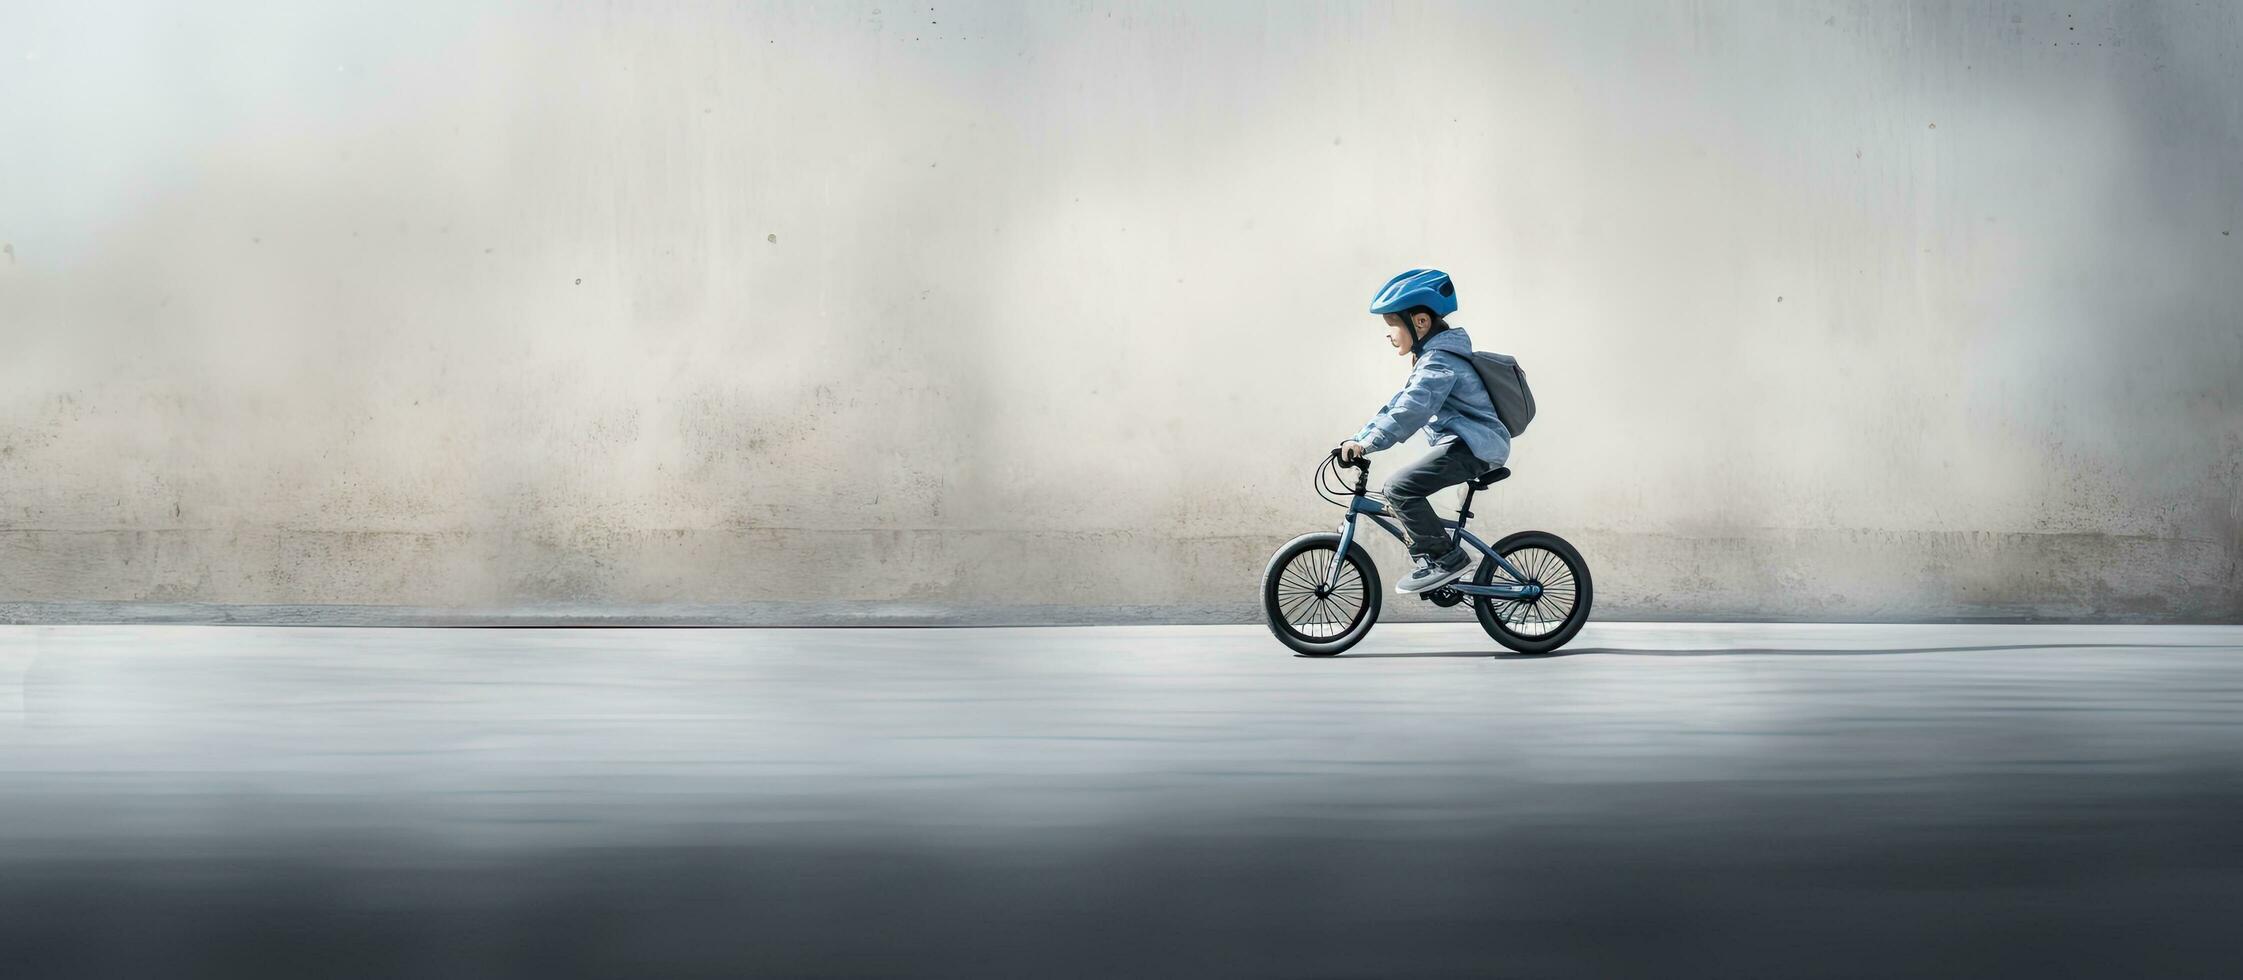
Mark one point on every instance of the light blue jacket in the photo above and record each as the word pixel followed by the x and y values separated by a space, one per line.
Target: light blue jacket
pixel 1445 395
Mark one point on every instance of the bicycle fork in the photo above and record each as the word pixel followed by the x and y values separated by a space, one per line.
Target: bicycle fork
pixel 1360 503
pixel 1356 507
pixel 1347 537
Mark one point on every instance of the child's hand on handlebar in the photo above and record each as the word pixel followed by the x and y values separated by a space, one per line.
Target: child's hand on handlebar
pixel 1352 451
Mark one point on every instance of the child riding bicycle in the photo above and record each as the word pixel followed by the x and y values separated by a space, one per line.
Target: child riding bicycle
pixel 1446 397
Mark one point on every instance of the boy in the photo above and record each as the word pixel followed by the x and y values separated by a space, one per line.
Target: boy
pixel 1445 396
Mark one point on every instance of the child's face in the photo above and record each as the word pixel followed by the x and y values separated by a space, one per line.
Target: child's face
pixel 1398 333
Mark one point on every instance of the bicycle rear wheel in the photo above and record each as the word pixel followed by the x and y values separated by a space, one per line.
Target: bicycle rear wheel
pixel 1306 612
pixel 1545 622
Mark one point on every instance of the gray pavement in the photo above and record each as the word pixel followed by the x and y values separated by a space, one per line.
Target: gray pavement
pixel 1714 800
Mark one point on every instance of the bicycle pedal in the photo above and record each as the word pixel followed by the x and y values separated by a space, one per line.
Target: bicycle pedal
pixel 1443 596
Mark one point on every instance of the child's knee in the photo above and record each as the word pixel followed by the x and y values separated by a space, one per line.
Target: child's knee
pixel 1400 490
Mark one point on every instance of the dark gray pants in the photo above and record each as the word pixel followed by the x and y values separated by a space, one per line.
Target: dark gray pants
pixel 1406 490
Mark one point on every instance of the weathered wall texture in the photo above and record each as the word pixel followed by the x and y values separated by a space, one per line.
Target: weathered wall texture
pixel 1835 310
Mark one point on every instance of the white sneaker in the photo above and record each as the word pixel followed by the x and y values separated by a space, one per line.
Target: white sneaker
pixel 1432 573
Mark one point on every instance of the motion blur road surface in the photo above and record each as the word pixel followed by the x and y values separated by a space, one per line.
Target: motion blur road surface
pixel 1129 802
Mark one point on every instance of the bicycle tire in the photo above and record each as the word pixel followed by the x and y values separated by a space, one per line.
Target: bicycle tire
pixel 1283 591
pixel 1498 616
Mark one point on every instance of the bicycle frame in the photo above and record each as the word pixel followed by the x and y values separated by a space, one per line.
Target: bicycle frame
pixel 1363 506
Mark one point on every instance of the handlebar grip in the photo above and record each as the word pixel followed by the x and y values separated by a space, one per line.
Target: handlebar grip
pixel 1359 463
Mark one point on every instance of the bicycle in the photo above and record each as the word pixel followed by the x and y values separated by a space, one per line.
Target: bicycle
pixel 1321 591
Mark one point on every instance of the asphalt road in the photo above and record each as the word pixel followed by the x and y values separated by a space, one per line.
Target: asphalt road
pixel 1132 802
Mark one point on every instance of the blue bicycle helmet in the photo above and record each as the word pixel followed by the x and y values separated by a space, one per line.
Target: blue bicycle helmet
pixel 1429 288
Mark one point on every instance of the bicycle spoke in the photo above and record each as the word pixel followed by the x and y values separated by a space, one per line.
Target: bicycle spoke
pixel 1347 603
pixel 1562 604
pixel 1544 612
pixel 1561 609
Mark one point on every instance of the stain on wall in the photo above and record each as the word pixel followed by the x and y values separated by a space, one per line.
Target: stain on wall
pixel 1898 311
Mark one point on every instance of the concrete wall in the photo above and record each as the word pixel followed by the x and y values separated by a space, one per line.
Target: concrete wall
pixel 1834 310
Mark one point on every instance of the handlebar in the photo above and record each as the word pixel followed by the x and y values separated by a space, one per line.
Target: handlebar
pixel 1333 487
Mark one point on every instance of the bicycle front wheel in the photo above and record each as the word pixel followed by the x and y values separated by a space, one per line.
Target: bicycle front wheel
pixel 1311 610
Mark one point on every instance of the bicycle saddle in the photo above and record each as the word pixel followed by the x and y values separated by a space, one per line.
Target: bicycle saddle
pixel 1491 478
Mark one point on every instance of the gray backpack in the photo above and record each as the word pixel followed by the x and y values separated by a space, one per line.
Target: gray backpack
pixel 1506 383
